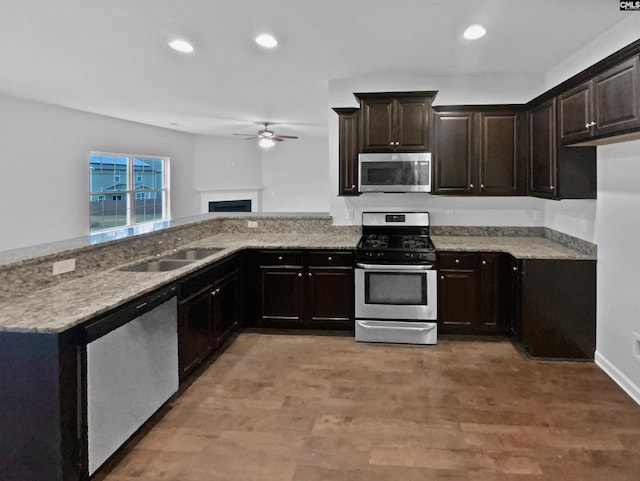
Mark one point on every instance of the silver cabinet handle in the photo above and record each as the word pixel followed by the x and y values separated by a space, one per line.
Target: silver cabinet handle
pixel 299 274
pixel 457 261
pixel 442 278
pixel 329 258
pixel 484 263
pixel 279 258
pixel 482 186
pixel 353 186
pixel 213 293
pixel 471 186
pixel 309 274
pixel 515 269
pixel 587 125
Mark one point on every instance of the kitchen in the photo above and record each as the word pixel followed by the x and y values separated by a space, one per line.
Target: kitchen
pixel 66 136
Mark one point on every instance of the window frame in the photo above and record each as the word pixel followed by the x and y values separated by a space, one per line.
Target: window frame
pixel 131 193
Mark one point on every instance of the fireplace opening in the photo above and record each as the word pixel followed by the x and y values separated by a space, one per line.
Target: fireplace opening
pixel 230 206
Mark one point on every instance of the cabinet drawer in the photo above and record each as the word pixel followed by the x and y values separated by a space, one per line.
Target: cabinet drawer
pixel 281 258
pixel 457 260
pixel 330 259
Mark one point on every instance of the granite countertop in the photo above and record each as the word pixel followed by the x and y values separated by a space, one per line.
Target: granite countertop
pixel 67 305
pixel 519 247
pixel 59 308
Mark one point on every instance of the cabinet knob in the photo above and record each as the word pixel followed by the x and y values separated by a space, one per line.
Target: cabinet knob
pixel 279 258
pixel 353 186
pixel 471 186
pixel 213 293
pixel 309 274
pixel 484 263
pixel 552 187
pixel 482 186
pixel 299 274
pixel 442 277
pixel 515 269
pixel 329 258
pixel 587 125
pixel 593 123
pixel 457 261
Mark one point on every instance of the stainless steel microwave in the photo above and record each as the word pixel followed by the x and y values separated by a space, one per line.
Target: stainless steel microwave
pixel 405 172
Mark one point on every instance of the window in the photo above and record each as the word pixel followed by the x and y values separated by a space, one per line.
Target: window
pixel 125 190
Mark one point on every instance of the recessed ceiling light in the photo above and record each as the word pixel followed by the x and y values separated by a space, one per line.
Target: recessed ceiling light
pixel 474 32
pixel 181 45
pixel 266 40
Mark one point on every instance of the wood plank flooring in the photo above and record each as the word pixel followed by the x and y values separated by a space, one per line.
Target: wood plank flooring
pixel 322 408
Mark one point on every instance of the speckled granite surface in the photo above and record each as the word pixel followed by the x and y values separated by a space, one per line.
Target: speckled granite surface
pixel 520 247
pixel 58 308
pixel 32 300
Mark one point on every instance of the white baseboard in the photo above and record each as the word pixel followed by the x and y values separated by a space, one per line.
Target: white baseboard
pixel 618 376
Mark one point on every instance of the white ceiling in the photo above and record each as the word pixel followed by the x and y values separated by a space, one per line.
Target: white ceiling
pixel 111 56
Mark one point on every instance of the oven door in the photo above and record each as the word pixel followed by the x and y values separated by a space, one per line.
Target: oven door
pixel 400 292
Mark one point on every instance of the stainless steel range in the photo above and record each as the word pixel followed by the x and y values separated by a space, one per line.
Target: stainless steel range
pixel 396 279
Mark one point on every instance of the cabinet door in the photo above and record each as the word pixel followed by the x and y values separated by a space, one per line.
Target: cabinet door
pixel 617 98
pixel 575 114
pixel 227 299
pixel 348 148
pixel 329 299
pixel 412 124
pixel 378 125
pixel 281 291
pixel 491 288
pixel 558 308
pixel 498 155
pixel 454 170
pixel 458 302
pixel 542 149
pixel 195 340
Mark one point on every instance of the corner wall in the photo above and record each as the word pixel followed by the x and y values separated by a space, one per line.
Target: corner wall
pixel 44 168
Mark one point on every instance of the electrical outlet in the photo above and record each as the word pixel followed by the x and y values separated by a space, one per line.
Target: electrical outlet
pixel 636 346
pixel 61 267
pixel 252 224
pixel 535 216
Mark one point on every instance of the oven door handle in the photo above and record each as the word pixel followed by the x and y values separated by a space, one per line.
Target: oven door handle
pixel 388 267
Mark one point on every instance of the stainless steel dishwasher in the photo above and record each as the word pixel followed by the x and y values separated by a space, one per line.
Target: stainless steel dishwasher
pixel 132 370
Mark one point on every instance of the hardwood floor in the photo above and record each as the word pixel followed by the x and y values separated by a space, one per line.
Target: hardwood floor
pixel 322 408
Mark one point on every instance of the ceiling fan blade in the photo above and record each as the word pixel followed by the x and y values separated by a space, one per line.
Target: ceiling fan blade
pixel 282 137
pixel 247 136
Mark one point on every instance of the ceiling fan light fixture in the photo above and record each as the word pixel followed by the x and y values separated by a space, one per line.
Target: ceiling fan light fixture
pixel 181 45
pixel 474 32
pixel 266 143
pixel 266 40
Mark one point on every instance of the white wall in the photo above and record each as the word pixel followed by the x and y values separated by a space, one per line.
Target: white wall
pixel 452 90
pixel 44 168
pixel 295 176
pixel 617 234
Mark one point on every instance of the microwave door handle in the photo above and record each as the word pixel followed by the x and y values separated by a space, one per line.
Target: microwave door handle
pixel 388 267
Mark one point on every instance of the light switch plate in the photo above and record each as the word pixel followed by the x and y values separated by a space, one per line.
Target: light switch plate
pixel 60 267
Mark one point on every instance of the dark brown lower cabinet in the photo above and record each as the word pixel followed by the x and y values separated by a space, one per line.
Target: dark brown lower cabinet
pixel 305 289
pixel 471 293
pixel 208 312
pixel 557 310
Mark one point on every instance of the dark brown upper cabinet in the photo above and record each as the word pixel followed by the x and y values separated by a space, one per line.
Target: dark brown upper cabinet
pixel 606 105
pixel 348 149
pixel 395 122
pixel 477 152
pixel 557 172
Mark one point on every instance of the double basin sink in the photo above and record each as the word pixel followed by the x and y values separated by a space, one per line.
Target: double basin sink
pixel 175 260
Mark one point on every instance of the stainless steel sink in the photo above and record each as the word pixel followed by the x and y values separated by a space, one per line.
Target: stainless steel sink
pixel 192 254
pixel 160 265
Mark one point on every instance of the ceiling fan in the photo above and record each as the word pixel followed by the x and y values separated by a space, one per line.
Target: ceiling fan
pixel 267 138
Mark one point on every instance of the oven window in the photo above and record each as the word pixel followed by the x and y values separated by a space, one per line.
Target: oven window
pixel 396 288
